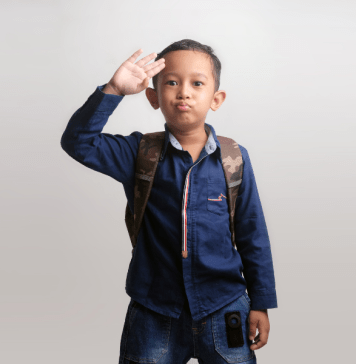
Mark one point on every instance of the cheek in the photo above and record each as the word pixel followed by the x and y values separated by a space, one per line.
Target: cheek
pixel 166 97
pixel 162 99
pixel 204 95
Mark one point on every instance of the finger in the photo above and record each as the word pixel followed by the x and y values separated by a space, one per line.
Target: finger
pixel 145 82
pixel 263 335
pixel 252 330
pixel 133 58
pixel 146 59
pixel 257 338
pixel 156 70
pixel 258 343
pixel 154 64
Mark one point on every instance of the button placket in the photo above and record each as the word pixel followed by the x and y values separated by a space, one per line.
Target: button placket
pixel 184 210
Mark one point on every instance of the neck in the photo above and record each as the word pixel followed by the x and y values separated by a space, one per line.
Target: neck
pixel 190 137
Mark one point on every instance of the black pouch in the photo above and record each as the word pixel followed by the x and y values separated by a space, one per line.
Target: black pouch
pixel 234 329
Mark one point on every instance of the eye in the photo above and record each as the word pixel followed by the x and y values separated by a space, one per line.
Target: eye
pixel 175 81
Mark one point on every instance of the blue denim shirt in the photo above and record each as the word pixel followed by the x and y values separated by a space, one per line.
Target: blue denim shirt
pixel 186 206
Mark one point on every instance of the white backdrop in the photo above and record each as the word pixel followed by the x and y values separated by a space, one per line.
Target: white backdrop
pixel 288 68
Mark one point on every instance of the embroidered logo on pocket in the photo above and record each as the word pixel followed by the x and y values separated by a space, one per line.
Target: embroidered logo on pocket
pixel 217 199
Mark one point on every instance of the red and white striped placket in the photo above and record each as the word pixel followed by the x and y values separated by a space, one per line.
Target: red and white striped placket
pixel 184 213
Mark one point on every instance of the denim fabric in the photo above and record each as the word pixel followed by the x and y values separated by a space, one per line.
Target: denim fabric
pixel 149 337
pixel 159 278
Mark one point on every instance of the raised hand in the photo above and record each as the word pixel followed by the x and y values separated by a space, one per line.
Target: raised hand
pixel 132 78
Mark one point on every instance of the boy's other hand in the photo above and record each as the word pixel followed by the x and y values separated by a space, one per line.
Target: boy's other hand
pixel 258 319
pixel 132 78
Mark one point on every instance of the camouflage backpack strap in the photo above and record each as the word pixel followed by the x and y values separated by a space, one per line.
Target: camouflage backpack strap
pixel 149 151
pixel 233 169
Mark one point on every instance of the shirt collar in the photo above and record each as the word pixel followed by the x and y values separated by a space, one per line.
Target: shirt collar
pixel 210 146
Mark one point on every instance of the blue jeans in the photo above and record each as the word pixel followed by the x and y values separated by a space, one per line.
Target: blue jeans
pixel 150 337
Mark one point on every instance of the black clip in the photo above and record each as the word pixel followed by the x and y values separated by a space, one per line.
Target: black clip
pixel 234 329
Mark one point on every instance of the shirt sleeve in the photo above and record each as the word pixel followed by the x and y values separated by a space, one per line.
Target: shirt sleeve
pixel 83 140
pixel 252 241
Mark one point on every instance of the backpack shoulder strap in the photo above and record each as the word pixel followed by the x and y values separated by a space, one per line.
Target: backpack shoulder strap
pixel 149 152
pixel 233 169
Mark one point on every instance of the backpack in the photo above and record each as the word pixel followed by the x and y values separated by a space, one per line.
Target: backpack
pixel 149 153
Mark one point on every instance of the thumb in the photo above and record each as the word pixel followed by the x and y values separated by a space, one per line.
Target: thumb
pixel 252 329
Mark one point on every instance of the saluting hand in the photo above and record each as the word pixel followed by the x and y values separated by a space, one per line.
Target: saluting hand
pixel 132 78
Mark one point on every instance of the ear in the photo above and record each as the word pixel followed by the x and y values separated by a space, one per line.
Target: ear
pixel 151 95
pixel 218 99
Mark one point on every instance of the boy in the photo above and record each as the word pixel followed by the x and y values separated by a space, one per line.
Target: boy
pixel 187 292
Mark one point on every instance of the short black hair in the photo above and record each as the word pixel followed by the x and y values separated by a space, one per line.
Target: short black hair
pixel 189 44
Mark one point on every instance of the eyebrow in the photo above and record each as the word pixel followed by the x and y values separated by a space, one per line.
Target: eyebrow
pixel 194 73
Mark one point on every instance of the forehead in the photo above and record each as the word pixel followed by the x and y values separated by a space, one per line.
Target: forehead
pixel 187 63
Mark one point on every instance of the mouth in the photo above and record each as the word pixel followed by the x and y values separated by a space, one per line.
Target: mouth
pixel 183 107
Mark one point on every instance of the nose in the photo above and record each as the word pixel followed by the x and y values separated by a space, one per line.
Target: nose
pixel 184 91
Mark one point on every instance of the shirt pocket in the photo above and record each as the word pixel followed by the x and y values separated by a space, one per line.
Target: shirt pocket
pixel 217 197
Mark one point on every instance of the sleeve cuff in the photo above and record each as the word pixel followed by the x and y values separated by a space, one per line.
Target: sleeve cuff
pixel 262 301
pixel 106 102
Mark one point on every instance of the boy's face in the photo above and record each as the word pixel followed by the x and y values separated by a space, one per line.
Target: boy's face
pixel 183 86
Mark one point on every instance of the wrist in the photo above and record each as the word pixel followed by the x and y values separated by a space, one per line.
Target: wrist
pixel 109 89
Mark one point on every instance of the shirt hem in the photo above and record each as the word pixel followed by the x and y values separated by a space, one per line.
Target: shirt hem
pixel 199 317
pixel 153 308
